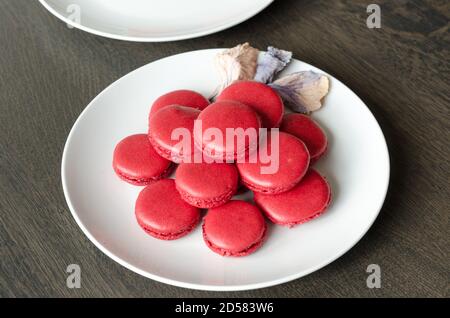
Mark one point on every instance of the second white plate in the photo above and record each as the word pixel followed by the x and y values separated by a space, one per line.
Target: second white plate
pixel 153 20
pixel 356 165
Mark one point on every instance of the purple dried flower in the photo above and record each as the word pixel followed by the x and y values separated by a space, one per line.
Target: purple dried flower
pixel 270 63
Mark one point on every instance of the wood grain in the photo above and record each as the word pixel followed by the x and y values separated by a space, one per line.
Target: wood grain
pixel 49 73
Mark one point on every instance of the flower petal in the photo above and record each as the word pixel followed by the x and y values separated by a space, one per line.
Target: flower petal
pixel 270 63
pixel 303 91
pixel 237 63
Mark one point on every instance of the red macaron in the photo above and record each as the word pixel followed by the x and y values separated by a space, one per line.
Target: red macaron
pixel 163 124
pixel 206 185
pixel 182 97
pixel 136 161
pixel 236 228
pixel 308 131
pixel 259 96
pixel 306 201
pixel 224 117
pixel 162 213
pixel 281 169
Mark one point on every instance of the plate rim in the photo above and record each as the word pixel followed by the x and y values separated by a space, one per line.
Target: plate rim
pixel 195 286
pixel 152 39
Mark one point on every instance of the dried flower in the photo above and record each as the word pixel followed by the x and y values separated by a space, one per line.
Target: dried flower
pixel 237 63
pixel 302 91
pixel 270 63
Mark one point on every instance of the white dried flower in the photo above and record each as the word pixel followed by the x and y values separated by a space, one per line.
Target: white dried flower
pixel 237 63
pixel 302 91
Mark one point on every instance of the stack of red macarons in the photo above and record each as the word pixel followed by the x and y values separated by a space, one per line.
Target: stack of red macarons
pixel 168 209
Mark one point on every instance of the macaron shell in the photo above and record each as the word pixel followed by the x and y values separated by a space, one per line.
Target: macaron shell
pixel 289 166
pixel 164 122
pixel 308 131
pixel 206 185
pixel 221 116
pixel 136 161
pixel 162 213
pixel 236 228
pixel 182 97
pixel 306 201
pixel 261 97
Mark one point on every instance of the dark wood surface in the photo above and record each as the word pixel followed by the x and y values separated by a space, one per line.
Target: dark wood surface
pixel 49 73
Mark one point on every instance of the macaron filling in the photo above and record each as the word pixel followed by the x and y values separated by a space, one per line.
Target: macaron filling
pixel 171 155
pixel 144 181
pixel 206 203
pixel 269 190
pixel 168 236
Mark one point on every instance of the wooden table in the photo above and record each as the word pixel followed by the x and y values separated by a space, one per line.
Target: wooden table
pixel 49 73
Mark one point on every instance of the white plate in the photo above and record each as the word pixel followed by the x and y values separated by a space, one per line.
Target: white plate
pixel 154 20
pixel 357 166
